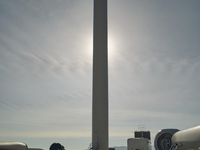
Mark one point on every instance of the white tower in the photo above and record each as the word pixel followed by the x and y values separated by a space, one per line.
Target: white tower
pixel 100 77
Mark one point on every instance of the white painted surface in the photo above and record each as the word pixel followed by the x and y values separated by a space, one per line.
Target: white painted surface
pixel 187 139
pixel 13 146
pixel 139 144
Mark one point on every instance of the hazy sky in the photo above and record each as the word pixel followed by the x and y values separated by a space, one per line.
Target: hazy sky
pixel 46 69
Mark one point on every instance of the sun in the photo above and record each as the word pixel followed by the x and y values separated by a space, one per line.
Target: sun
pixel 110 46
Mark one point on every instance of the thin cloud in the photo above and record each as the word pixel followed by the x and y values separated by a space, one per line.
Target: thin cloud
pixel 46 67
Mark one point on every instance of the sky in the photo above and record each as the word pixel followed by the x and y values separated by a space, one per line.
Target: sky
pixel 46 69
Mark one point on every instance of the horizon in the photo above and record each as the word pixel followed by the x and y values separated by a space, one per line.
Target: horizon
pixel 46 69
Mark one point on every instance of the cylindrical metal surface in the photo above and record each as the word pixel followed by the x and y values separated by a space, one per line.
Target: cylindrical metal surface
pixel 187 139
pixel 100 77
pixel 13 146
pixel 162 140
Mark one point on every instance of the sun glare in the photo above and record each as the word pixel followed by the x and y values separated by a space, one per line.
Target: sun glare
pixel 110 47
pixel 90 46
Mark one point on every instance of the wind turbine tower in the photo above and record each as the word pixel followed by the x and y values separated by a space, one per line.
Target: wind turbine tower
pixel 100 77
